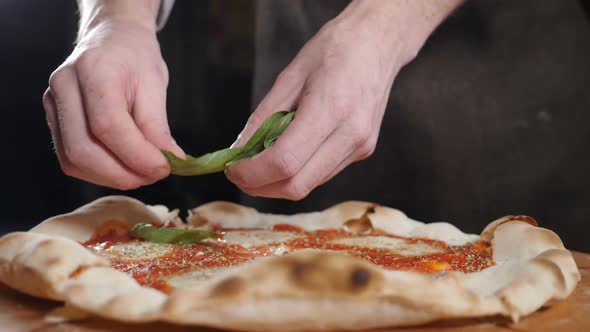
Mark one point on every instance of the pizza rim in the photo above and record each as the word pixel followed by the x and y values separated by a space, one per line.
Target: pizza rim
pixel 537 255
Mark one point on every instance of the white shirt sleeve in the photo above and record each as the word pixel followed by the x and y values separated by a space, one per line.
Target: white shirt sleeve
pixel 164 13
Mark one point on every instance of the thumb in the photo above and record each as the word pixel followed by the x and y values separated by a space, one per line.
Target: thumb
pixel 281 97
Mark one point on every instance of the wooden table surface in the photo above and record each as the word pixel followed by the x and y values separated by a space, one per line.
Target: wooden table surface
pixel 19 312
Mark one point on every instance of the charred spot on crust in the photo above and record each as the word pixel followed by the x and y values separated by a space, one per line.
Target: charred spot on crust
pixel 527 219
pixel 300 270
pixel 359 225
pixel 360 277
pixel 362 224
pixel 230 287
pixel 488 233
pixel 332 274
pixel 76 273
pixel 318 274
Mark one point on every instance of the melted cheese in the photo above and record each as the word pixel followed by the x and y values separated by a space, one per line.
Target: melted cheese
pixel 250 239
pixel 391 244
pixel 198 277
pixel 137 249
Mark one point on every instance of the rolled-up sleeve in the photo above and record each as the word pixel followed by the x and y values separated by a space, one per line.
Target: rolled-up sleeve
pixel 164 13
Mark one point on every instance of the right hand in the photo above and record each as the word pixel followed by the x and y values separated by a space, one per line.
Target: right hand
pixel 106 107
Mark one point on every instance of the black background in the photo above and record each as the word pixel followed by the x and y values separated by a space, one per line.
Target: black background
pixel 208 46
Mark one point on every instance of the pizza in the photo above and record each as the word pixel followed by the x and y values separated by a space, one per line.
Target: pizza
pixel 356 265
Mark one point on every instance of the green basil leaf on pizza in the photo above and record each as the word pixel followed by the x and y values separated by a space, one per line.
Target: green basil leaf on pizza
pixel 152 233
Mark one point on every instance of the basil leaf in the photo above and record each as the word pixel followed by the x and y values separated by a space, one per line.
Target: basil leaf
pixel 205 164
pixel 170 235
pixel 263 138
pixel 255 144
pixel 277 129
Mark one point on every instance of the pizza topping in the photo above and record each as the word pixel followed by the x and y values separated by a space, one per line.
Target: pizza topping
pixel 171 235
pixel 138 250
pixel 287 228
pixel 394 245
pixel 78 271
pixel 438 266
pixel 179 257
pixel 109 233
pixel 257 238
pixel 280 250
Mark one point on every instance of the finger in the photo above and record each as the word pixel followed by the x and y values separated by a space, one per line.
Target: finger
pixel 345 163
pixel 362 152
pixel 281 97
pixel 108 116
pixel 366 147
pixel 149 113
pixel 313 123
pixel 336 149
pixel 89 159
pixel 52 122
pixel 50 107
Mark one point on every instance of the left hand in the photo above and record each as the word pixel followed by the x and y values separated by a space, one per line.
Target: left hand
pixel 339 83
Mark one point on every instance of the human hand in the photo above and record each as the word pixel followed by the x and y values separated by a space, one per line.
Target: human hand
pixel 106 105
pixel 339 83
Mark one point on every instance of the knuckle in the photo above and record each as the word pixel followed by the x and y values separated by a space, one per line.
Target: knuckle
pixel 57 79
pixel 360 133
pixel 47 100
pixel 101 126
pixel 97 69
pixel 75 154
pixel 87 60
pixel 285 165
pixel 367 149
pixel 161 72
pixel 67 168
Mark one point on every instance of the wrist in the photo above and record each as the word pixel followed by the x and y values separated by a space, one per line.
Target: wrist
pixel 96 12
pixel 403 26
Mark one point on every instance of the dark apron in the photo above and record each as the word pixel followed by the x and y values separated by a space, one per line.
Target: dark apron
pixel 491 118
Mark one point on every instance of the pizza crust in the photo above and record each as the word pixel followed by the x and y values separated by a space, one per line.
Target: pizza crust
pixel 308 289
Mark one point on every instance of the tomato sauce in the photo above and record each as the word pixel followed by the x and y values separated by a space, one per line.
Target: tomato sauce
pixel 179 259
pixel 469 258
pixel 183 258
pixel 108 234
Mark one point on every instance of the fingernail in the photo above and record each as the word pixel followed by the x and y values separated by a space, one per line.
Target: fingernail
pixel 240 138
pixel 176 149
pixel 238 141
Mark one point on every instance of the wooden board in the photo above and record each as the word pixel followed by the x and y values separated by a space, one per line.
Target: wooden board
pixel 19 312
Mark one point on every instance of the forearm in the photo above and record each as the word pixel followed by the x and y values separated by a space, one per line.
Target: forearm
pixel 410 21
pixel 142 12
